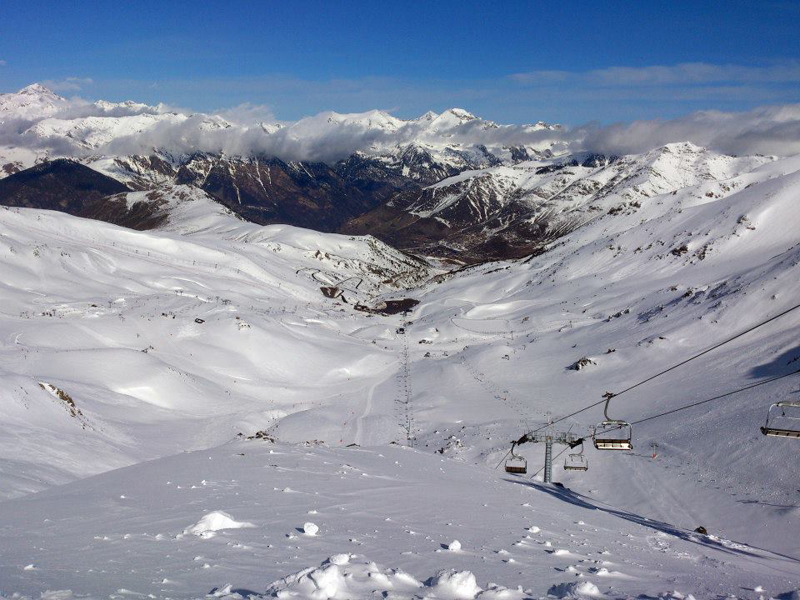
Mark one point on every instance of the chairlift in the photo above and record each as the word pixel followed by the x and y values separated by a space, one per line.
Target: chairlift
pixel 516 464
pixel 576 461
pixel 783 420
pixel 612 434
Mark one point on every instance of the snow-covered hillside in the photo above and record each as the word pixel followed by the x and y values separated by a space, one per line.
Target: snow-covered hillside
pixel 524 207
pixel 562 185
pixel 97 305
pixel 256 519
pixel 511 211
pixel 121 347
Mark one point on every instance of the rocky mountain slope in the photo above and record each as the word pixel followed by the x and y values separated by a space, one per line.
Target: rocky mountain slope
pixel 447 185
pixel 67 186
pixel 146 147
pixel 514 211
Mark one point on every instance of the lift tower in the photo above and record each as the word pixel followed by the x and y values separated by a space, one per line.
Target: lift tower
pixel 548 437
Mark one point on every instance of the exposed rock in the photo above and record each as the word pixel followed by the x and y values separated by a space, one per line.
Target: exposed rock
pixel 581 364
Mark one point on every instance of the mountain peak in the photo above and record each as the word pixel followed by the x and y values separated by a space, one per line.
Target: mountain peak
pixel 461 114
pixel 452 117
pixel 428 116
pixel 36 89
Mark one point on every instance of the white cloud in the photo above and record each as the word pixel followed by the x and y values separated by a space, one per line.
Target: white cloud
pixel 70 84
pixel 764 130
pixel 325 137
pixel 248 114
pixel 681 74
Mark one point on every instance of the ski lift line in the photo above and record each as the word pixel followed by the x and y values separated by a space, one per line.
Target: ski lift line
pixel 506 399
pixel 669 412
pixel 725 395
pixel 502 459
pixel 707 350
pixel 608 396
pixel 405 395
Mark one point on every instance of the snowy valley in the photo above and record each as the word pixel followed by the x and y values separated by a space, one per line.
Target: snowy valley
pixel 201 403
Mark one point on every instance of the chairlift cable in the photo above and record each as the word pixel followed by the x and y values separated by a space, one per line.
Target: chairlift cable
pixel 680 408
pixel 725 395
pixel 502 459
pixel 707 350
pixel 680 364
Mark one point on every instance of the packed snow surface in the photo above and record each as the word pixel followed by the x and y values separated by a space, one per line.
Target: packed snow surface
pixel 388 514
pixel 160 387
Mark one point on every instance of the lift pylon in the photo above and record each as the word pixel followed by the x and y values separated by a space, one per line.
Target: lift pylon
pixel 547 437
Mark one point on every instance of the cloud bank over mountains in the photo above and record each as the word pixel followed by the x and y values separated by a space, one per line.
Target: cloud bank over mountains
pixel 36 118
pixel 764 130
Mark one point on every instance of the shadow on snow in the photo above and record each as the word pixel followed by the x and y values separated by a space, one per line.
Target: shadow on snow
pixel 567 495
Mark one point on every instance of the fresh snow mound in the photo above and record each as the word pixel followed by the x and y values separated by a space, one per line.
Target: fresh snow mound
pixel 360 578
pixel 213 522
pixel 581 589
pixel 454 584
pixel 311 529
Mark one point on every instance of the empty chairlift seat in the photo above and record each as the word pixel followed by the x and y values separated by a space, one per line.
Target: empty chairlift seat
pixel 576 461
pixel 783 420
pixel 612 435
pixel 516 464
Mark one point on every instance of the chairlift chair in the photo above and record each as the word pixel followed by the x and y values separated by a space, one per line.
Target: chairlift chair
pixel 783 420
pixel 576 462
pixel 516 464
pixel 612 434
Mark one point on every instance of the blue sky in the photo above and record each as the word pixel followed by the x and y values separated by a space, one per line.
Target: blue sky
pixel 514 62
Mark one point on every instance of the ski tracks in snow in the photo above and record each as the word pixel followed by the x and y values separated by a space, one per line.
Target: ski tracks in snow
pixel 369 403
pixel 367 410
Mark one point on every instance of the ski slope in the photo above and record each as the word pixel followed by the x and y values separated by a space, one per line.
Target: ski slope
pixel 385 518
pixel 132 361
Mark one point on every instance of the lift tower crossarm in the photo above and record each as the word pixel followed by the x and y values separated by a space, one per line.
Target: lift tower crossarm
pixel 548 438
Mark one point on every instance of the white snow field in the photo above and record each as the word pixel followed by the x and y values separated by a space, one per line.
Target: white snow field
pixel 131 361
pixel 385 518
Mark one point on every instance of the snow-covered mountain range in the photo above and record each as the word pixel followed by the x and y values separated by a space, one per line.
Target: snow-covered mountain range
pixel 450 141
pixel 449 185
pixel 198 405
pixel 319 172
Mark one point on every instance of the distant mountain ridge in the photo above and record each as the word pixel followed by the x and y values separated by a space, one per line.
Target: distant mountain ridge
pixel 448 185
